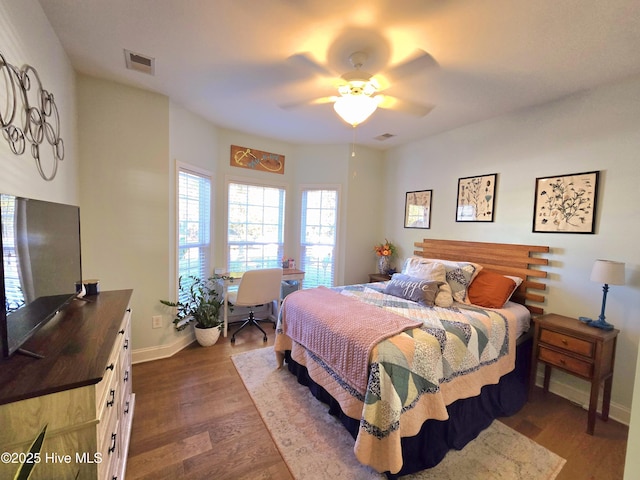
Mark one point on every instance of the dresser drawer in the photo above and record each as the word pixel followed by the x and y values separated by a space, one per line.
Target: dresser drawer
pixel 111 373
pixel 109 448
pixel 561 360
pixel 567 342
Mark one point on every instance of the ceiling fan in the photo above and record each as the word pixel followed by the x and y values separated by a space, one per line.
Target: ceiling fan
pixel 359 92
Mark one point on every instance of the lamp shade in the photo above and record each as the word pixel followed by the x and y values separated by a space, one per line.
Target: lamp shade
pixel 608 272
pixel 355 109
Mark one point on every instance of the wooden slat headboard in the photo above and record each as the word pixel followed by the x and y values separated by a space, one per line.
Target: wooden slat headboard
pixel 503 258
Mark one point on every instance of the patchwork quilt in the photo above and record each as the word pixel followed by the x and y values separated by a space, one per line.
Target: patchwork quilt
pixel 413 375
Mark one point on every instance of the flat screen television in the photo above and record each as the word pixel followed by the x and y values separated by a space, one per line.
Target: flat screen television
pixel 40 267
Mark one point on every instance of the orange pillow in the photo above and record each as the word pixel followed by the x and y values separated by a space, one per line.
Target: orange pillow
pixel 490 289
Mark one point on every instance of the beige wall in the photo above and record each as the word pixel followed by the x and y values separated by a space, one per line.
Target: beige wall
pixel 595 130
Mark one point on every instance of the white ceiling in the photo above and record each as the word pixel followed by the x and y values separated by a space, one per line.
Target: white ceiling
pixel 229 60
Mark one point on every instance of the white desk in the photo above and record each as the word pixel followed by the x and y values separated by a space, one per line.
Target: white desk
pixel 231 280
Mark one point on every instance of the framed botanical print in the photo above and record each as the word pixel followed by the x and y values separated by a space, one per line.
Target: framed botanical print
pixel 417 209
pixel 566 203
pixel 476 198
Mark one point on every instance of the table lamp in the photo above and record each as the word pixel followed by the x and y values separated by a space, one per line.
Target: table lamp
pixel 606 272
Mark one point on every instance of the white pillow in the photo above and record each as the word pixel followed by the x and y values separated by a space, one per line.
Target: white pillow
pixel 432 271
pixel 518 281
pixel 459 276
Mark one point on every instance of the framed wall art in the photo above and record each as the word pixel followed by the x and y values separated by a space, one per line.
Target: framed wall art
pixel 417 209
pixel 566 203
pixel 253 159
pixel 476 198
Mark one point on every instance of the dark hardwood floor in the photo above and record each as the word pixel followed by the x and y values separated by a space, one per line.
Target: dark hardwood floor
pixel 195 420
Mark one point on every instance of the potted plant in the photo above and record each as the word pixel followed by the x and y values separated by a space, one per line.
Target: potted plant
pixel 200 303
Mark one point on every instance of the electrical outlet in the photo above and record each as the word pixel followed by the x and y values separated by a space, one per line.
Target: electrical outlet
pixel 156 321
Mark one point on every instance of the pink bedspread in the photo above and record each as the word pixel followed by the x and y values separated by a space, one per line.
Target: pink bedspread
pixel 338 335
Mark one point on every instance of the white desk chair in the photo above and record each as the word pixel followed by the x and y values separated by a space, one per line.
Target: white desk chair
pixel 256 288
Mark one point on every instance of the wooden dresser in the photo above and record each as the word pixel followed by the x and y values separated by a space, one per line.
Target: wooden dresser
pixel 81 390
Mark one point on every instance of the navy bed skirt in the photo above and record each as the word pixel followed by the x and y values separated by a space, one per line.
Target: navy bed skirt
pixel 467 417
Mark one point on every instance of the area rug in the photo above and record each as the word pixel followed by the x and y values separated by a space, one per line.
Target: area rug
pixel 315 445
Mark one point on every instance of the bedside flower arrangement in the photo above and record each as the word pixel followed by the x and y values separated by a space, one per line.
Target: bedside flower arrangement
pixel 384 251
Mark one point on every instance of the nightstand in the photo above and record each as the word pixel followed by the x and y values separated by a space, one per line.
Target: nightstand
pixel 576 348
pixel 379 277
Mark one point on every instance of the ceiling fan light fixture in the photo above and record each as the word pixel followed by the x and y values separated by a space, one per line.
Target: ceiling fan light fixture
pixel 355 109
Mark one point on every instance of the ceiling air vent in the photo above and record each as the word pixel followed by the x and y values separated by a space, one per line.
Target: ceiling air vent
pixel 384 136
pixel 139 62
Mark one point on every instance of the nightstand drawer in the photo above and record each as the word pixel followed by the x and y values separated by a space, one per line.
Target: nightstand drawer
pixel 561 360
pixel 567 342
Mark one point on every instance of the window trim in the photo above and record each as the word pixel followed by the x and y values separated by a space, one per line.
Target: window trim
pixel 256 182
pixel 195 170
pixel 322 186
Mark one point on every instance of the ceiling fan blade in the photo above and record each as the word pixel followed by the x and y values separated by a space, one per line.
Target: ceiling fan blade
pixel 421 61
pixel 405 106
pixel 306 62
pixel 314 101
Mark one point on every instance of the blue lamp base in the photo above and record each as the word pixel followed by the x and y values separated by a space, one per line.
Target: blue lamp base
pixel 599 323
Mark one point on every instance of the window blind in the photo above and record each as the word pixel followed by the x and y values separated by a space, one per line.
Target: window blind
pixel 194 224
pixel 318 237
pixel 255 235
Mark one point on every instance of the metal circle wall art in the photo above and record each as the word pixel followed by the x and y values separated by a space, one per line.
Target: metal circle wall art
pixel 36 121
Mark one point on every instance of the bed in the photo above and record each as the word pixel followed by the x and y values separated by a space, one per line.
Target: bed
pixel 413 367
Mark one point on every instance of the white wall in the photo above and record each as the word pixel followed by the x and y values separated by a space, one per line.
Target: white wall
pixel 121 144
pixel 192 141
pixel 364 208
pixel 226 171
pixel 632 461
pixel 125 141
pixel 595 130
pixel 361 181
pixel 127 134
pixel 124 146
pixel 26 38
pixel 324 165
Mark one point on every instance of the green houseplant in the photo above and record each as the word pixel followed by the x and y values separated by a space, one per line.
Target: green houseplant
pixel 199 303
pixel 32 458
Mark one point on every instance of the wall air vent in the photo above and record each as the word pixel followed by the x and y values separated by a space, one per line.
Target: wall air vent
pixel 384 136
pixel 139 62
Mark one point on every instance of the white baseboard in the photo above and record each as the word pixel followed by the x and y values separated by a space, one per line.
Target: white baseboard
pixel 165 351
pixel 617 412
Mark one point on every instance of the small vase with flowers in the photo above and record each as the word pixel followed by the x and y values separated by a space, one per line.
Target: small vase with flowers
pixel 385 251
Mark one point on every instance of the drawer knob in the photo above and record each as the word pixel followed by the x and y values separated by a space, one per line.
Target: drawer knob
pixel 111 366
pixel 562 361
pixel 126 410
pixel 564 341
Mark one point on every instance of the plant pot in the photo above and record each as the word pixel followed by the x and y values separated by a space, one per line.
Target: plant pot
pixel 207 336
